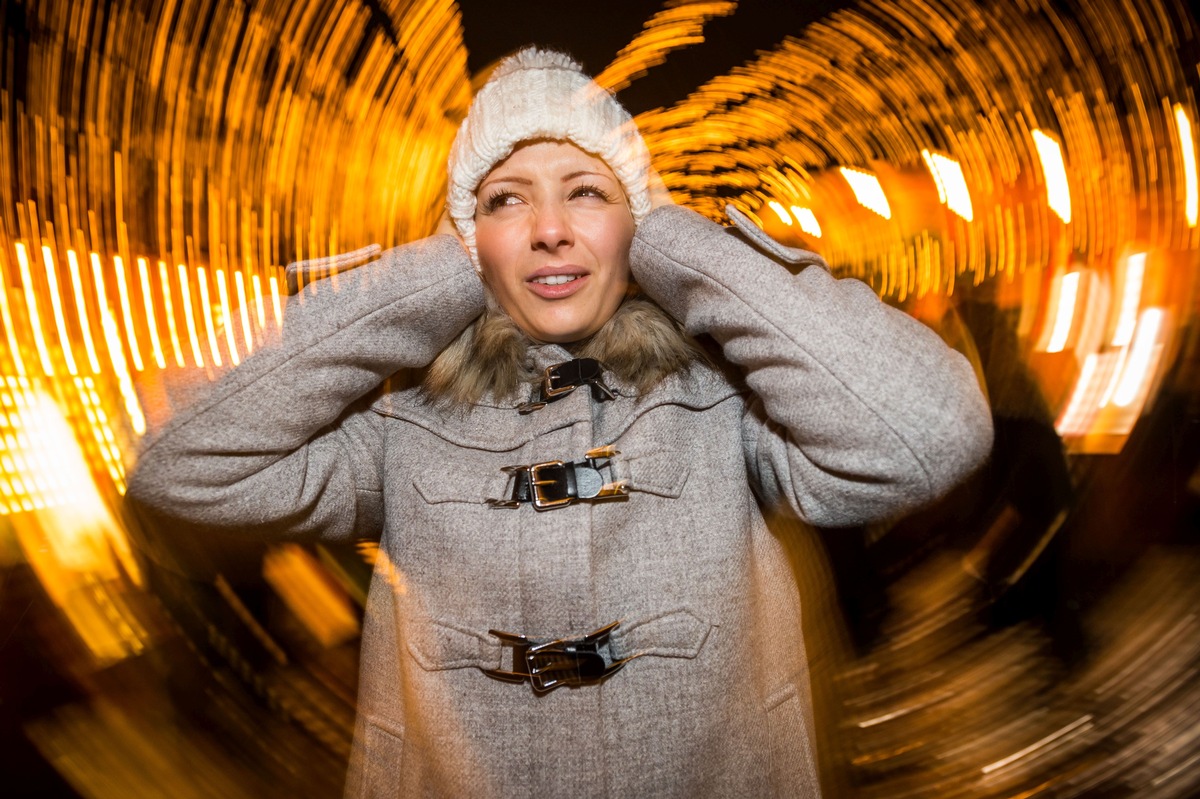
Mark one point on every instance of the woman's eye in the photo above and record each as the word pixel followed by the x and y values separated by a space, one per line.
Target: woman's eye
pixel 500 200
pixel 590 191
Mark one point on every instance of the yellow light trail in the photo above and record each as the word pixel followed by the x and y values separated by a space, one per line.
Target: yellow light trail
pixel 210 327
pixel 868 191
pixel 132 407
pixel 256 286
pixel 1138 369
pixel 1054 171
pixel 10 331
pixel 1131 295
pixel 127 313
pixel 807 221
pixel 274 283
pixel 81 311
pixel 189 316
pixel 169 310
pixel 780 212
pixel 1187 146
pixel 951 184
pixel 60 319
pixel 243 310
pixel 112 339
pixel 226 316
pixel 1065 313
pixel 35 321
pixel 151 322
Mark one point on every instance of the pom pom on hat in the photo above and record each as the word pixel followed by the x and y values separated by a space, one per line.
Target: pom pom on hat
pixel 542 94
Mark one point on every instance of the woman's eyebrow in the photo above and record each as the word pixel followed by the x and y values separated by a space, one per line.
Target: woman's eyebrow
pixel 581 173
pixel 503 179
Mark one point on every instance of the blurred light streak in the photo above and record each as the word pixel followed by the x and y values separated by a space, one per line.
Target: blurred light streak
pixel 1187 146
pixel 311 593
pixel 256 286
pixel 951 184
pixel 1065 312
pixel 190 317
pixel 60 319
pixel 1082 724
pixel 807 221
pixel 35 322
pixel 81 312
pixel 1054 172
pixel 169 310
pixel 1076 417
pixel 780 212
pixel 1131 297
pixel 135 352
pixel 678 25
pixel 210 326
pixel 867 191
pixel 1139 369
pixel 274 283
pixel 124 383
pixel 226 316
pixel 101 431
pixel 151 323
pixel 243 310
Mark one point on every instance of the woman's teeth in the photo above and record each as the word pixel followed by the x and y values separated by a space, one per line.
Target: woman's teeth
pixel 554 280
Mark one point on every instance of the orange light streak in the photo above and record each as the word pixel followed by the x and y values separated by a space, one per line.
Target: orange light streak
pixel 226 316
pixel 1187 146
pixel 10 331
pixel 168 306
pixel 108 325
pixel 81 311
pixel 807 221
pixel 1141 355
pixel 134 410
pixel 240 286
pixel 35 321
pixel 1054 170
pixel 1065 315
pixel 189 316
pixel 127 313
pixel 256 286
pixel 210 326
pixel 60 319
pixel 1131 295
pixel 780 212
pixel 151 322
pixel 274 283
pixel 868 191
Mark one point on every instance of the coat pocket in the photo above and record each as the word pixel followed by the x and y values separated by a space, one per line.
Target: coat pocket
pixel 793 753
pixel 380 762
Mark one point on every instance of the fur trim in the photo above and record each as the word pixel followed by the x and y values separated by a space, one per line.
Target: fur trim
pixel 641 345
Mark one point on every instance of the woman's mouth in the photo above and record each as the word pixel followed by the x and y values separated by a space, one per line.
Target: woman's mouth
pixel 555 280
pixel 554 285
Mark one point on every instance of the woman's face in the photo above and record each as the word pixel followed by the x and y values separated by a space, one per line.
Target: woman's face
pixel 553 231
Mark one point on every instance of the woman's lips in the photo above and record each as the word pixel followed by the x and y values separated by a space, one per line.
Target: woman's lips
pixel 556 290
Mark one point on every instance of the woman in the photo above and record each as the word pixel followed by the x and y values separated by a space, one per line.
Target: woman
pixel 576 592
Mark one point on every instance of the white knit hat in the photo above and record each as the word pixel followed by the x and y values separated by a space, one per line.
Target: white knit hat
pixel 542 94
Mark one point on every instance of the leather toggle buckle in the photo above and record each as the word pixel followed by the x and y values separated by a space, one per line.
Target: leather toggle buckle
pixel 555 484
pixel 565 661
pixel 561 379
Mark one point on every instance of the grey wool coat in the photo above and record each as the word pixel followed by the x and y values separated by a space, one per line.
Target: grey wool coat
pixel 844 409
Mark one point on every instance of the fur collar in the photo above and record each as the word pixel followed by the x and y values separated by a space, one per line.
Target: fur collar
pixel 640 345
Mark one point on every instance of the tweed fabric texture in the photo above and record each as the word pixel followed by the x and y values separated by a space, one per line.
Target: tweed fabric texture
pixel 854 412
pixel 542 94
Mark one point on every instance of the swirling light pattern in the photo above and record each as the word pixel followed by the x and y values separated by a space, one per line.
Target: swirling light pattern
pixel 161 161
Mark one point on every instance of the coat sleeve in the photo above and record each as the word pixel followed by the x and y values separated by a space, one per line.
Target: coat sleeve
pixel 276 449
pixel 858 411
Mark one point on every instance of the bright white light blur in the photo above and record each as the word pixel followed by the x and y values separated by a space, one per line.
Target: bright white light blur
pixel 951 184
pixel 1188 147
pixel 1131 295
pixel 780 212
pixel 1137 369
pixel 867 191
pixel 1054 170
pixel 1067 293
pixel 807 221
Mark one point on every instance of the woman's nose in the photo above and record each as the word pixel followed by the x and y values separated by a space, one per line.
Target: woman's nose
pixel 551 227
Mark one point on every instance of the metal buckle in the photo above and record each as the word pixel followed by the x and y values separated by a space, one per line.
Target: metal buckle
pixel 548 378
pixel 564 661
pixel 535 482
